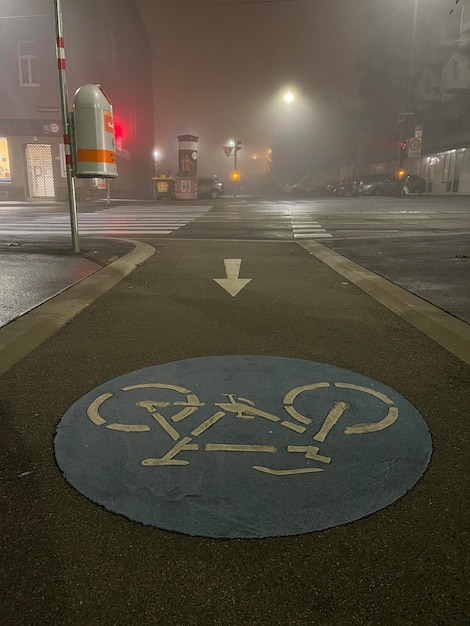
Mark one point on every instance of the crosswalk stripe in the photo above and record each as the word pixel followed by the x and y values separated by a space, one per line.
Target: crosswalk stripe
pixel 120 220
pixel 307 228
pixel 313 235
pixel 149 220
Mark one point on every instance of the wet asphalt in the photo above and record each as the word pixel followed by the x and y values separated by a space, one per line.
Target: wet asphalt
pixel 66 560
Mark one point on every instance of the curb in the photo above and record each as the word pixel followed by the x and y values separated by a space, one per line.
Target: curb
pixel 21 336
pixel 445 329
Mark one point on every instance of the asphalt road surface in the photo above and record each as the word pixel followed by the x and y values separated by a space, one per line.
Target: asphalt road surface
pixel 231 423
pixel 419 243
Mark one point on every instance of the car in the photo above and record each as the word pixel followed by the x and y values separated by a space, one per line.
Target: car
pixel 387 185
pixel 345 188
pixel 211 187
pixel 332 187
pixel 300 191
pixel 365 182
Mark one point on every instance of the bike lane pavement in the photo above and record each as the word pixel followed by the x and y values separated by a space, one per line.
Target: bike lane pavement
pixel 295 324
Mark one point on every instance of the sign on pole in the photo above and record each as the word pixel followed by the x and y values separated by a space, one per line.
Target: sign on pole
pixel 414 147
pixel 228 150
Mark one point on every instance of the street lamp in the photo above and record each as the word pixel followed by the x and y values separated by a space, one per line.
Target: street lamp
pixel 288 97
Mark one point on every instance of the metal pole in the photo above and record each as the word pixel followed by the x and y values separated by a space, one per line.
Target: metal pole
pixel 66 125
pixel 407 100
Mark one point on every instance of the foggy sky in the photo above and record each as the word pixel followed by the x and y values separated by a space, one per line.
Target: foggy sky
pixel 220 69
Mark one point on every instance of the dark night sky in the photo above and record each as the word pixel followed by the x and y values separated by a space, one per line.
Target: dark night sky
pixel 220 69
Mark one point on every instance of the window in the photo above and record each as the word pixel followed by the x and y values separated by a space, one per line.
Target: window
pixel 445 169
pixel 5 169
pixel 28 63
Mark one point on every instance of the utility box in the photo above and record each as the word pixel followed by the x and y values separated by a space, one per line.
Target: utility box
pixel 95 146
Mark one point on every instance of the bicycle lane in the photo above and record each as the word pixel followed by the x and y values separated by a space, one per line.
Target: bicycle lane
pixel 292 407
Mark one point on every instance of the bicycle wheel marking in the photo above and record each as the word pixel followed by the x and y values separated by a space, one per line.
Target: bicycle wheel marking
pixel 243 446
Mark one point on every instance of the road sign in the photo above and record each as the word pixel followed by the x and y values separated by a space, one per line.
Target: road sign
pixel 228 150
pixel 414 147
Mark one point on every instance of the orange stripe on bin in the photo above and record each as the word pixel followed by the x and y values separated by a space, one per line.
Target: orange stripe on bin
pixel 88 155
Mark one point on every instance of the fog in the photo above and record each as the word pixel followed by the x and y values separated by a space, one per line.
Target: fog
pixel 221 68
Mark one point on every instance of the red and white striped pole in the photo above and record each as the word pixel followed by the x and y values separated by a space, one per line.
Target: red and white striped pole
pixel 66 126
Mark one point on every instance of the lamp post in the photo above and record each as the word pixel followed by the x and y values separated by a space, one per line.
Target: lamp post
pixel 407 101
pixel 156 160
pixel 235 175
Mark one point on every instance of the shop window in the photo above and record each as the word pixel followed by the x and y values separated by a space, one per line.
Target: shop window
pixel 28 63
pixel 5 169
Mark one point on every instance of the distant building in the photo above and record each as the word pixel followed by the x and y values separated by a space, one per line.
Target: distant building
pixel 105 44
pixel 416 85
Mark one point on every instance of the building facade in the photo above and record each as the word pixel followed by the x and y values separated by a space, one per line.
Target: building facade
pixel 415 90
pixel 105 44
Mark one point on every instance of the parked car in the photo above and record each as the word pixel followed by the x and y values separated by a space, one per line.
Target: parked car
pixel 303 190
pixel 345 187
pixel 365 182
pixel 332 188
pixel 211 187
pixel 383 185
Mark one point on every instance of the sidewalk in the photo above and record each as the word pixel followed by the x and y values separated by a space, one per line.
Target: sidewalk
pixel 69 560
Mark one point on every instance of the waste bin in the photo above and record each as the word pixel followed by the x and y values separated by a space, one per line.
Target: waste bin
pixel 163 187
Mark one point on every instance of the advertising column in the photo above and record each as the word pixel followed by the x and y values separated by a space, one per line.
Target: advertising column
pixel 186 178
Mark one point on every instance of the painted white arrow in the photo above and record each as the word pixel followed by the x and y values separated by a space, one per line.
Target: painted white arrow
pixel 232 283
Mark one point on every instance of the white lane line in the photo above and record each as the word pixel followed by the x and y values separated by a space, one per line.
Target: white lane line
pixel 303 228
pixel 312 235
pixel 51 233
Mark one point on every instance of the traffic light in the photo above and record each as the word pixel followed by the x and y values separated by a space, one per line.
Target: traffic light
pixel 118 133
pixel 235 176
pixel 403 145
pixel 239 145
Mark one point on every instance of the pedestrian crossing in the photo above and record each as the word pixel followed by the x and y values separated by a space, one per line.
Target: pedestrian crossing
pixel 162 220
pixel 120 221
pixel 304 227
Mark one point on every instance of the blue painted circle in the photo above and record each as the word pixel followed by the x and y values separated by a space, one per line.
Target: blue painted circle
pixel 243 446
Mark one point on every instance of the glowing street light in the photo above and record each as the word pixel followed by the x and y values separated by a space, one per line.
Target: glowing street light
pixel 288 97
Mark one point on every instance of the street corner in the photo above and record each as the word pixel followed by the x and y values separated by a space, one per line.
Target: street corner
pixel 52 307
pixel 243 446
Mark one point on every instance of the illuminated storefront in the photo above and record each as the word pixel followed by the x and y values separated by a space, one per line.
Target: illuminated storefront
pixel 5 169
